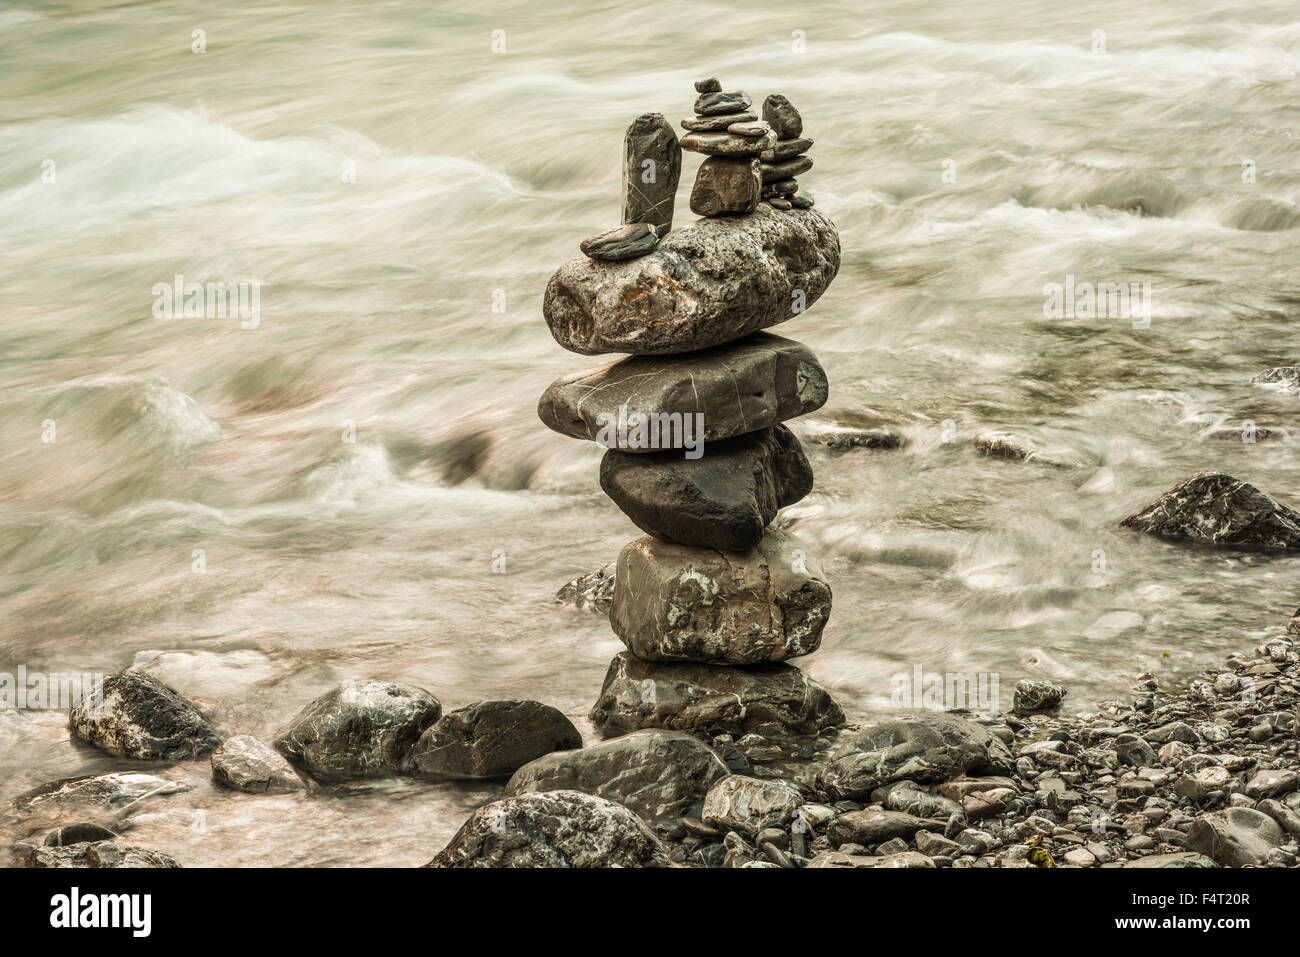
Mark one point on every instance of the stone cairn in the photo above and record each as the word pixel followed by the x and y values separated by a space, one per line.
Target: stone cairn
pixel 713 600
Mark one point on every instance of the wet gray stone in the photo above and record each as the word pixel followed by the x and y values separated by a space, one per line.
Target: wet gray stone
pixel 1034 696
pixel 82 833
pixel 621 243
pixel 714 281
pixel 140 717
pixel 714 124
pixel 710 85
pixel 726 187
pixel 244 763
pixel 782 117
pixel 727 144
pixel 785 169
pixel 101 854
pixel 491 739
pixel 723 500
pixel 1213 508
pixel 652 167
pixel 786 149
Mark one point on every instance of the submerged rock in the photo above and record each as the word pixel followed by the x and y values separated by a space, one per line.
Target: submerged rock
pixel 594 590
pixel 1235 837
pixel 658 774
pixel 767 699
pixel 92 855
pixel 715 281
pixel 246 764
pixel 107 791
pixel 873 825
pixel 1022 448
pixel 491 739
pixel 677 603
pixel 926 747
pixel 1217 509
pixel 137 716
pixel 85 832
pixel 723 500
pixel 553 829
pixel 1033 696
pixel 748 805
pixel 781 115
pixel 360 729
pixel 1285 379
pixel 839 438
pixel 739 387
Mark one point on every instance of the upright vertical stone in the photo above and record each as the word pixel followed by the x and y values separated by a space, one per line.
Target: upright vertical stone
pixel 652 165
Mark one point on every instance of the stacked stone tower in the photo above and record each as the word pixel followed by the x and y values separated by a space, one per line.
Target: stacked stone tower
pixel 713 600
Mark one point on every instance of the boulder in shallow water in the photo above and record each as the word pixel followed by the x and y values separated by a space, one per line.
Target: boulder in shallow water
pixel 748 805
pixel 553 829
pixel 113 791
pixel 677 603
pixel 652 167
pixel 244 763
pixel 739 387
pixel 593 591
pixel 95 855
pixel 712 282
pixel 360 729
pixel 1183 859
pixel 1216 509
pixel 85 832
pixel 658 774
pixel 137 716
pixel 491 739
pixel 1235 837
pixel 713 699
pixel 924 747
pixel 722 500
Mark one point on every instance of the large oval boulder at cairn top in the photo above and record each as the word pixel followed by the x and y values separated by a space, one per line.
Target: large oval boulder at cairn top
pixel 553 829
pixel 1216 509
pixel 658 774
pixel 674 603
pixel 714 281
pixel 491 739
pixel 134 715
pixel 926 747
pixel 736 388
pixel 711 699
pixel 724 500
pixel 360 729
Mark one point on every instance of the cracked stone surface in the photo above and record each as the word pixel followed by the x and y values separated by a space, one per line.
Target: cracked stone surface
pixel 140 717
pixel 676 603
pixel 1215 508
pixel 712 282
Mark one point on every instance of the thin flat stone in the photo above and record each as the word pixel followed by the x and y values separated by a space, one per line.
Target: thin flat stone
pixel 718 103
pixel 786 169
pixel 726 144
pixel 714 124
pixel 779 203
pixel 738 387
pixel 786 149
pixel 621 243
pixel 710 85
pixel 754 128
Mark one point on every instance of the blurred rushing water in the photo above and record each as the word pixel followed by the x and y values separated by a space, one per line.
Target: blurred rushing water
pixel 345 473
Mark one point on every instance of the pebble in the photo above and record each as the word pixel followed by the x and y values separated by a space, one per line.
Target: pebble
pixel 622 242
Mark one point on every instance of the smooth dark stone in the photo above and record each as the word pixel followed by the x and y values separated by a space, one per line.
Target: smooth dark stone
pixel 782 116
pixel 712 699
pixel 718 103
pixel 82 833
pixel 652 167
pixel 725 187
pixel 491 739
pixel 244 763
pixel 726 144
pixel 786 149
pixel 802 201
pixel 716 124
pixel 786 169
pixel 780 203
pixel 137 716
pixel 680 603
pixel 723 500
pixel 621 242
pixel 658 774
pixel 1216 509
pixel 711 85
pixel 714 281
pixel 739 387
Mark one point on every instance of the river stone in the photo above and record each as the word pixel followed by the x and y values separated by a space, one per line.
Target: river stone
pixel 137 716
pixel 554 829
pixel 907 859
pixel 717 103
pixel 726 186
pixel 715 281
pixel 873 825
pixel 1033 696
pixel 786 169
pixel 652 166
pixel 786 149
pixel 680 603
pixel 621 242
pixel 715 124
pixel 85 832
pixel 1215 508
pixel 925 747
pixel 657 774
pixel 709 85
pixel 739 387
pixel 491 739
pixel 727 144
pixel 246 764
pixel 1235 837
pixel 95 855
pixel 748 805
pixel 593 591
pixel 1178 859
pixel 360 729
pixel 755 128
pixel 723 500
pixel 1285 379
pixel 114 791
pixel 782 117
pixel 772 699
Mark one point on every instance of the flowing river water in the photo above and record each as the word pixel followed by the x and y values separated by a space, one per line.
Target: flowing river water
pixel 254 514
